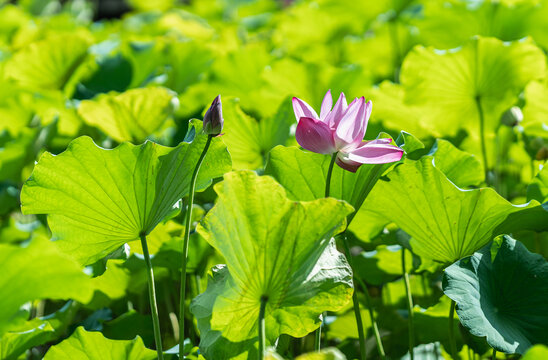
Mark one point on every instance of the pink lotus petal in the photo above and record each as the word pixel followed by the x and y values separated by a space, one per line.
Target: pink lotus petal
pixel 364 119
pixel 327 104
pixel 302 109
pixel 334 117
pixel 347 164
pixel 351 127
pixel 375 152
pixel 315 135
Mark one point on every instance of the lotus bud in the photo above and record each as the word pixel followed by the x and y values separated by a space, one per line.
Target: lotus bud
pixel 213 118
pixel 512 117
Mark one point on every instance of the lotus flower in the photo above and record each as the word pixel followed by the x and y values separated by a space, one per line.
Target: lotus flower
pixel 340 129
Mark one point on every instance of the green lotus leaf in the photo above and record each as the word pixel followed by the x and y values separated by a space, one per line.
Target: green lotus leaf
pixel 38 271
pixel 500 293
pixel 449 24
pixel 382 265
pixel 111 72
pixel 129 325
pixel 196 59
pixel 536 352
pixel 538 188
pixel 33 333
pixel 393 112
pixel 110 285
pixel 36 331
pixel 445 222
pixel 303 174
pixel 212 342
pixel 99 199
pixel 274 248
pixel 384 56
pixel 535 111
pixel 249 140
pixel 50 63
pixel 16 153
pixel 485 76
pixel 94 346
pixel 462 168
pixel 432 323
pixel 15 107
pixel 345 326
pixel 130 116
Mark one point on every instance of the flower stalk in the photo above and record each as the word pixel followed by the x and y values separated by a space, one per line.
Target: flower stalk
pixel 329 173
pixel 186 239
pixel 152 298
pixel 409 305
pixel 262 337
pixel 355 301
pixel 452 340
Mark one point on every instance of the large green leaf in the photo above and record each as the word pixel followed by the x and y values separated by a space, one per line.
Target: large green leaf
pixel 93 345
pixel 382 265
pixel 99 199
pixel 249 140
pixel 49 64
pixel 450 23
pixel 445 222
pixel 36 331
pixel 303 174
pixel 394 113
pixel 501 294
pixel 462 168
pixel 345 325
pixel 451 86
pixel 110 285
pixel 38 271
pixel 274 248
pixel 130 116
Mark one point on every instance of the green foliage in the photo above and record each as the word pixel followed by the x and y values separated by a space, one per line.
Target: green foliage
pixel 461 85
pixel 536 352
pixel 130 116
pixel 472 87
pixel 289 260
pixel 249 140
pixel 94 346
pixel 538 188
pixel 50 63
pixel 304 174
pixel 38 271
pixel 445 222
pixel 115 195
pixel 500 293
pixel 22 336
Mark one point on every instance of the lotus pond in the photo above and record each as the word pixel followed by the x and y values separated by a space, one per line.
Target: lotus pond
pixel 268 179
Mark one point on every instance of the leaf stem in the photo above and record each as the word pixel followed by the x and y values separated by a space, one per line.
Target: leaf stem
pixel 482 137
pixel 152 298
pixel 494 356
pixel 188 217
pixel 318 337
pixel 329 173
pixel 452 340
pixel 409 305
pixel 262 338
pixel 318 333
pixel 357 313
